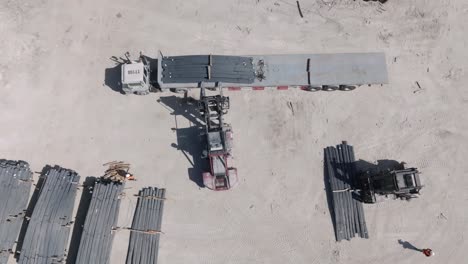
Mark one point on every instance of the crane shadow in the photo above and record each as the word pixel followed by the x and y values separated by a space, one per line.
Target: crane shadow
pixel 189 141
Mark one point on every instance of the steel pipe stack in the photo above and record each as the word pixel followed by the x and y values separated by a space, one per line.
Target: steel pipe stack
pixel 348 211
pixel 146 227
pixel 15 186
pixel 97 237
pixel 46 237
pixel 207 68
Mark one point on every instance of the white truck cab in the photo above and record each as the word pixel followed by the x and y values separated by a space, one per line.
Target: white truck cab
pixel 135 77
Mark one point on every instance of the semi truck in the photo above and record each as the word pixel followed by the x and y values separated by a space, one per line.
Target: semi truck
pixel 309 72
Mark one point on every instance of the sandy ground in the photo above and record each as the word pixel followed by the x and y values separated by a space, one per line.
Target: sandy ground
pixel 56 109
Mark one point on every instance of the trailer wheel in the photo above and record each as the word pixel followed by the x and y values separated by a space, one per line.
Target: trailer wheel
pixel 313 88
pixel 178 90
pixel 329 88
pixel 141 92
pixel 347 87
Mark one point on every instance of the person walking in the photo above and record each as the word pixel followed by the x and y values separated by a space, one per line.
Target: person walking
pixel 428 252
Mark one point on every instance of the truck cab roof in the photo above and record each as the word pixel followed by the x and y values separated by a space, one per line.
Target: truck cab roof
pixel 132 73
pixel 408 178
pixel 215 141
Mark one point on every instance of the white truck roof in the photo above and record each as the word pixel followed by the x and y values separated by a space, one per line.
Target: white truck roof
pixel 132 73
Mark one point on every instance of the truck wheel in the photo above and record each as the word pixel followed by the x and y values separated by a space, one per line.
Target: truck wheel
pixel 329 88
pixel 347 87
pixel 142 93
pixel 178 90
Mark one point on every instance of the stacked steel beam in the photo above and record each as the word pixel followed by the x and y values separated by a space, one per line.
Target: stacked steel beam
pixel 348 211
pixel 102 216
pixel 207 68
pixel 46 237
pixel 15 186
pixel 144 238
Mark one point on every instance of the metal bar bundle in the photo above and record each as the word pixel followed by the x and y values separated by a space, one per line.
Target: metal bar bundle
pixel 146 227
pixel 348 211
pixel 207 68
pixel 15 186
pixel 46 237
pixel 97 237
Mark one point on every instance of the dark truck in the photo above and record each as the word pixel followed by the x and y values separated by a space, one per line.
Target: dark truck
pixel 404 183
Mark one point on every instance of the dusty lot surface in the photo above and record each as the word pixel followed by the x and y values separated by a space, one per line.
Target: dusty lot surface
pixel 56 109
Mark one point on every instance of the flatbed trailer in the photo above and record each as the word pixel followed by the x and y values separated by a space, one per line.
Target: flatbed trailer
pixel 295 71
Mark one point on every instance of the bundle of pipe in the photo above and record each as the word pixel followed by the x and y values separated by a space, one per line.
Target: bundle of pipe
pixel 207 68
pixel 146 227
pixel 348 211
pixel 15 186
pixel 46 237
pixel 97 237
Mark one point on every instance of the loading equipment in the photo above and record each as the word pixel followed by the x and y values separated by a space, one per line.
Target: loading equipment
pixel 218 136
pixel 402 183
pixel 308 72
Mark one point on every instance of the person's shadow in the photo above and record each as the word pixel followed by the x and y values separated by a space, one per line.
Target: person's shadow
pixel 408 245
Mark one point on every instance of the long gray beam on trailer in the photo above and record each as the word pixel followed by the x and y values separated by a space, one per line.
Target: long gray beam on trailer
pixel 305 70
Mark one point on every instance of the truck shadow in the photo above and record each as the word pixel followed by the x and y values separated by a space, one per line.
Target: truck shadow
pixel 112 77
pixel 382 165
pixel 189 140
pixel 354 169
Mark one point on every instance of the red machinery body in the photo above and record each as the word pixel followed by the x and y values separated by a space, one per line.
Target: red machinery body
pixel 220 182
pixel 219 138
